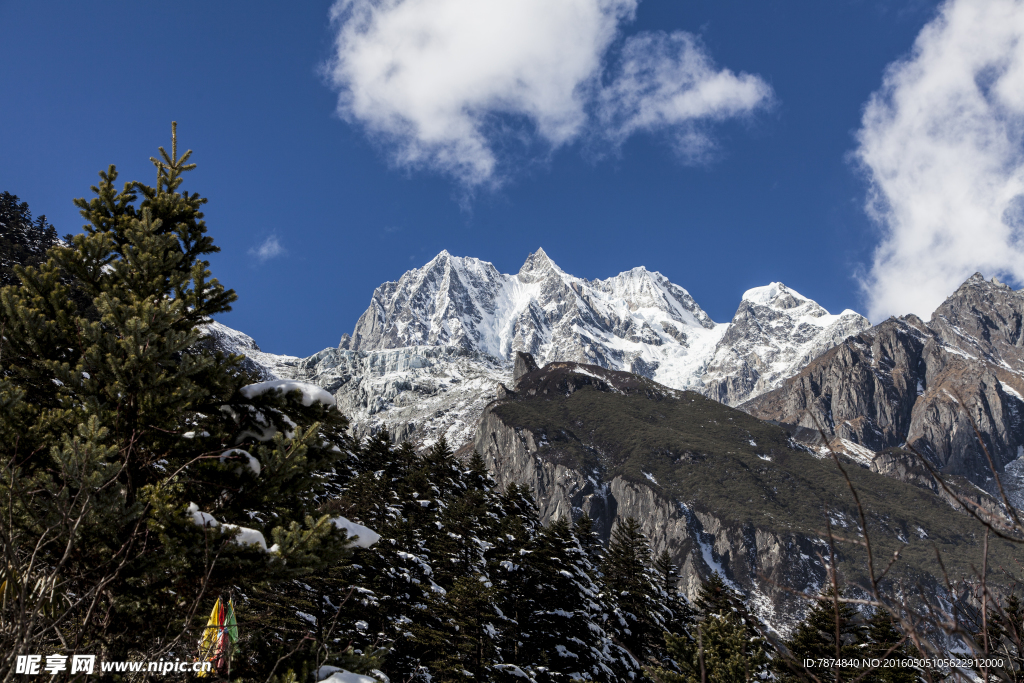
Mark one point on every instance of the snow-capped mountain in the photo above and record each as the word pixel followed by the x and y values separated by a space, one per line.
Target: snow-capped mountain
pixel 432 348
pixel 467 303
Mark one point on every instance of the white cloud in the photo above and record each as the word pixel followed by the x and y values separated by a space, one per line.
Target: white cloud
pixel 941 143
pixel 267 249
pixel 453 84
pixel 668 82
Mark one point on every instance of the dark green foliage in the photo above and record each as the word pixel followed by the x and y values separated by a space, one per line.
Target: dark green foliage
pixel 885 641
pixel 113 424
pixel 565 630
pixel 720 651
pixel 634 589
pixel 719 640
pixel 716 597
pixel 23 241
pixel 1002 639
pixel 463 645
pixel 1007 635
pixel 815 638
pixel 512 568
pixel 589 541
pixel 464 579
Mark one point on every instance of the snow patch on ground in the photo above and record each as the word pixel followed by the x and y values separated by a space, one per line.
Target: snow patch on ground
pixel 707 552
pixel 860 454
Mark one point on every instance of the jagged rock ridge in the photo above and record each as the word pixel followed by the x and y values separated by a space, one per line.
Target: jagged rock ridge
pixel 906 382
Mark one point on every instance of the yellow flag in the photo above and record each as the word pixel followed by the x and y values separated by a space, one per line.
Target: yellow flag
pixel 208 643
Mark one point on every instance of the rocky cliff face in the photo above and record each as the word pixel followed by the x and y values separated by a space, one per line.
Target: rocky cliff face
pixel 717 489
pixel 416 393
pixel 700 542
pixel 905 382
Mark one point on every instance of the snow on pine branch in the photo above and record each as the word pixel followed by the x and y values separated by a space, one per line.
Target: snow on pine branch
pixel 246 536
pixel 310 392
pixel 238 453
pixel 365 536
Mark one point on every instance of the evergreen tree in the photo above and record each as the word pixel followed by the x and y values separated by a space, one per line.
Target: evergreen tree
pixel 1002 637
pixel 815 638
pixel 720 651
pixel 143 473
pixel 1008 636
pixel 512 569
pixel 885 641
pixel 23 241
pixel 716 597
pixel 678 614
pixel 464 648
pixel 565 636
pixel 723 644
pixel 633 587
pixel 583 528
pixel 392 582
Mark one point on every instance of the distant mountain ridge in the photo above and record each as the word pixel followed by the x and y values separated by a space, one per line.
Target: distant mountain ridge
pixel 432 348
pixel 905 381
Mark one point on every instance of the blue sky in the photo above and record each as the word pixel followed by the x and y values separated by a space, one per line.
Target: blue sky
pixel 812 167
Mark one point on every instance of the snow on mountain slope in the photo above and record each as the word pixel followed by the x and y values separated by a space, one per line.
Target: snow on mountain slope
pixel 433 347
pixel 266 366
pixel 776 332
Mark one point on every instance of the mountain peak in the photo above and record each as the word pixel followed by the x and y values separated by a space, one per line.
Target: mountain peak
pixel 442 257
pixel 776 295
pixel 537 264
pixel 637 320
pixel 975 285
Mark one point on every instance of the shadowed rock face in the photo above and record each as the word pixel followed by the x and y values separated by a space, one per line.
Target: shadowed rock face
pixel 524 364
pixel 718 489
pixel 907 382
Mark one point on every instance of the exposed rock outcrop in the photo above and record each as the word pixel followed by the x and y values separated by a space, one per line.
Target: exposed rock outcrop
pixel 925 385
pixel 524 363
pixel 773 335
